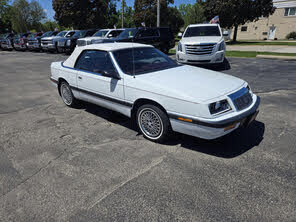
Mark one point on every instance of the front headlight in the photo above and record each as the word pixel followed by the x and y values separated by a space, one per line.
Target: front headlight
pixel 96 41
pixel 180 47
pixel 68 42
pixel 221 46
pixel 219 107
pixel 250 90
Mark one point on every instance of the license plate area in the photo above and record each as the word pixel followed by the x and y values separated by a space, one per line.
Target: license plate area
pixel 248 120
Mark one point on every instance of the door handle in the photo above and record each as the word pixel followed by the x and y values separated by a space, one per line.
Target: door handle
pixel 79 77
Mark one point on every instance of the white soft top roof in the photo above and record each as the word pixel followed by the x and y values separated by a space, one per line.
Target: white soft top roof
pixel 109 47
pixel 196 25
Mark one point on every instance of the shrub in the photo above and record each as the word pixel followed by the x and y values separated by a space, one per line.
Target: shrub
pixel 291 35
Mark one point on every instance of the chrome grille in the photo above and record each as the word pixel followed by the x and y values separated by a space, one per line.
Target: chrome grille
pixel 32 42
pixel 200 49
pixel 243 102
pixel 46 42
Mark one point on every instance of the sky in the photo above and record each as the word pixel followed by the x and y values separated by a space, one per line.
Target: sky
pixel 47 5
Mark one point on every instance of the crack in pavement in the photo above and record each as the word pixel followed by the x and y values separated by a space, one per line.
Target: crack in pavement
pixel 37 172
pixel 132 177
pixel 273 91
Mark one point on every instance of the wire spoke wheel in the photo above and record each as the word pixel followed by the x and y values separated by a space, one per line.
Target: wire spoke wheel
pixel 66 94
pixel 150 123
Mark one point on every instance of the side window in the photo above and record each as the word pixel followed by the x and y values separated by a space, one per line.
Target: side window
pixel 96 62
pixel 70 34
pixel 148 33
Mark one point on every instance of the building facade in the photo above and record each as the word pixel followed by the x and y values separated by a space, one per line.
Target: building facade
pixel 276 26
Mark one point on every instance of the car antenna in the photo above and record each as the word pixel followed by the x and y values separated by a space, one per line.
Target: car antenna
pixel 133 55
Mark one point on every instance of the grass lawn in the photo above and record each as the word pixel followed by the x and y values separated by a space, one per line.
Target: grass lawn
pixel 262 43
pixel 248 54
pixel 254 54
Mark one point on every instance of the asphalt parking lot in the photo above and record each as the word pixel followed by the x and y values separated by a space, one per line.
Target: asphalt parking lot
pixel 90 164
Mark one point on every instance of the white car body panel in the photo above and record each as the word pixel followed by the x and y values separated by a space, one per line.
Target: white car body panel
pixel 88 40
pixel 52 41
pixel 216 56
pixel 183 91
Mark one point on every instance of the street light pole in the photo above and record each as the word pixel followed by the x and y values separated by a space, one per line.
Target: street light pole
pixel 158 13
pixel 122 8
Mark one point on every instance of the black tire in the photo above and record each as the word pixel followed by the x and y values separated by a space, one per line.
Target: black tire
pixel 158 127
pixel 67 94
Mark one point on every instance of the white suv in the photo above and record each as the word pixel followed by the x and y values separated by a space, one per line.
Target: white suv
pixel 201 44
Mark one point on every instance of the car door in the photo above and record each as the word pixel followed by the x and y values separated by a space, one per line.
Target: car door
pixel 98 80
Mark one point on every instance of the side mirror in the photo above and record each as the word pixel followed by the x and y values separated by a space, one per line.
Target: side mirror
pixel 180 34
pixel 110 36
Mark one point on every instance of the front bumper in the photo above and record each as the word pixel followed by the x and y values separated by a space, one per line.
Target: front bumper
pixel 212 129
pixel 6 46
pixel 20 46
pixel 34 46
pixel 216 57
pixel 48 47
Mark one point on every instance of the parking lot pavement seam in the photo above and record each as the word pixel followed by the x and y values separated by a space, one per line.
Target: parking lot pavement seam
pixel 153 164
pixel 36 173
pixel 276 91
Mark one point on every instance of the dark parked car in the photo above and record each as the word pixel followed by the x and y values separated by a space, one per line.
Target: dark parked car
pixel 34 41
pixel 161 38
pixel 20 41
pixel 34 44
pixel 62 41
pixel 7 41
pixel 68 44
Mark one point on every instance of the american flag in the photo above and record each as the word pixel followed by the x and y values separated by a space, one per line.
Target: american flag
pixel 215 20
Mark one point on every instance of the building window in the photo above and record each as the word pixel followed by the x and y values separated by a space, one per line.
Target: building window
pixel 244 28
pixel 290 12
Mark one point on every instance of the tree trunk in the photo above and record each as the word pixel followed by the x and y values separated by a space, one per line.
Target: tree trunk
pixel 235 33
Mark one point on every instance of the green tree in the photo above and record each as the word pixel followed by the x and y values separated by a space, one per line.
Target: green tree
pixel 233 13
pixel 5 16
pixel 37 15
pixel 146 11
pixel 20 16
pixel 192 14
pixel 128 14
pixel 26 16
pixel 84 14
pixel 112 15
pixel 174 19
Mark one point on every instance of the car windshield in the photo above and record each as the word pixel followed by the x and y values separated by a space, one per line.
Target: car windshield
pixel 202 31
pixel 128 33
pixel 46 34
pixel 18 36
pixel 32 35
pixel 62 34
pixel 136 61
pixel 79 34
pixel 101 33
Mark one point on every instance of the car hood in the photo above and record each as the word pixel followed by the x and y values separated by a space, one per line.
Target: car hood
pixel 190 83
pixel 91 38
pixel 201 39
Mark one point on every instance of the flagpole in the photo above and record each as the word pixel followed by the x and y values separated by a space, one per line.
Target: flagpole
pixel 158 13
pixel 122 8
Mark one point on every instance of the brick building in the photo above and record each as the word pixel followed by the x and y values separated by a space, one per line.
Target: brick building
pixel 276 26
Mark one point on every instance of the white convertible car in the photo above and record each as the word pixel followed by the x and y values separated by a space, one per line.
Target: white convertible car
pixel 159 94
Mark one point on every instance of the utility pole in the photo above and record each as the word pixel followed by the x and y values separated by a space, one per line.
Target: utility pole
pixel 122 9
pixel 158 13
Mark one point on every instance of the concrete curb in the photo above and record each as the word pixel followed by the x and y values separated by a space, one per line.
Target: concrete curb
pixel 277 57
